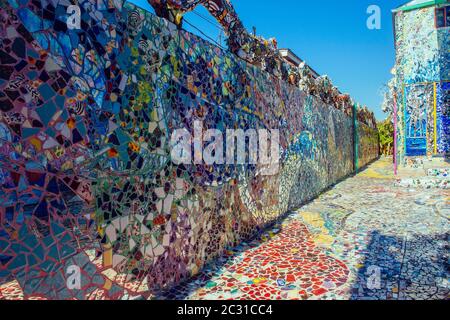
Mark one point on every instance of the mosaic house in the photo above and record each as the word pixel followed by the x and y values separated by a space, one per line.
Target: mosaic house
pixel 422 78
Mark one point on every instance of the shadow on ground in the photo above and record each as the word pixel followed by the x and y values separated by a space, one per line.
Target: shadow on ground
pixel 408 268
pixel 202 280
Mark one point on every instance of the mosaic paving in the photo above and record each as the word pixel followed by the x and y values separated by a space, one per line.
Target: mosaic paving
pixel 333 247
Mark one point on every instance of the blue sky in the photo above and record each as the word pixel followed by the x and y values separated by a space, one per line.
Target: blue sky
pixel 329 35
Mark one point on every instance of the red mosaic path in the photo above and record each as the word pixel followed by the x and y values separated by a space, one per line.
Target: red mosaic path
pixel 288 266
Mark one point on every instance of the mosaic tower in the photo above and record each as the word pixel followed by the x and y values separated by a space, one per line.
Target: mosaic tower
pixel 422 78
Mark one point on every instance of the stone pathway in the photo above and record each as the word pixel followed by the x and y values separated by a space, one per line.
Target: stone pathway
pixel 370 237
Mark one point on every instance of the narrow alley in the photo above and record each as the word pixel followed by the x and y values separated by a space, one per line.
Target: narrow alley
pixel 192 150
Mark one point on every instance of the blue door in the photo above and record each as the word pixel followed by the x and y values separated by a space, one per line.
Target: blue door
pixel 418 101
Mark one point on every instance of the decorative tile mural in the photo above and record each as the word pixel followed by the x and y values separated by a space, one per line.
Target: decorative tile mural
pixel 419 119
pixel 368 145
pixel 91 204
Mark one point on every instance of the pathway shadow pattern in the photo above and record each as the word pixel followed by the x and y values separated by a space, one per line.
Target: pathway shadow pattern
pixel 405 269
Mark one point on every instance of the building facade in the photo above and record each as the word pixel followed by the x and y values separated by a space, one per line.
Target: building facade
pixel 422 81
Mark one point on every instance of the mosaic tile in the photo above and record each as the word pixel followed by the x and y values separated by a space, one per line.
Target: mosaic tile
pixel 87 179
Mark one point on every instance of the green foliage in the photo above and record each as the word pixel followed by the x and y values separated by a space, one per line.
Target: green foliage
pixel 386 133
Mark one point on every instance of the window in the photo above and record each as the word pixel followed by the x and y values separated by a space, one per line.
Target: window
pixel 443 17
pixel 447 14
pixel 440 18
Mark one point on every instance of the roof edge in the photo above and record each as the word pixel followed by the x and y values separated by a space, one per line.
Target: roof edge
pixel 430 3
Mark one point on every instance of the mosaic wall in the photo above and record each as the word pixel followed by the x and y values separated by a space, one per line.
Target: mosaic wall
pixel 443 122
pixel 368 145
pixel 423 61
pixel 91 204
pixel 443 36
